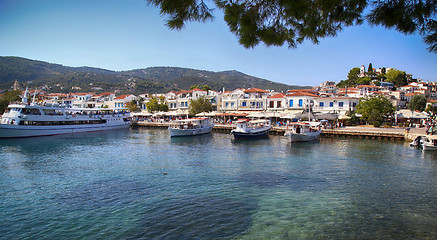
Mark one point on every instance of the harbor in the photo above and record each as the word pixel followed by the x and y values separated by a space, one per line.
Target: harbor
pixel 140 183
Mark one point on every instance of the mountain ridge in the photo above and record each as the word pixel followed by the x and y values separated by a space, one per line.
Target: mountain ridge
pixel 159 79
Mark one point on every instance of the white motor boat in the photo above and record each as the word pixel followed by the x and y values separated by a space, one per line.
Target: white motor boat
pixel 251 129
pixel 303 131
pixel 23 119
pixel 424 142
pixel 430 145
pixel 191 127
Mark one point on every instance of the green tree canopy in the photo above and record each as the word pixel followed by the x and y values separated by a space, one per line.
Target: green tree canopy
pixel 370 68
pixel 353 79
pixel 277 23
pixel 202 104
pixel 7 97
pixel 432 110
pixel 206 88
pixel 375 109
pixel 132 106
pixel 397 77
pixel 417 102
pixel 157 104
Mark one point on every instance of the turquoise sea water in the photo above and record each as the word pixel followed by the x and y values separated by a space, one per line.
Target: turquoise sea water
pixel 141 184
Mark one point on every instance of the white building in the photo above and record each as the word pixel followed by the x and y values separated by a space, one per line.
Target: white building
pixel 338 105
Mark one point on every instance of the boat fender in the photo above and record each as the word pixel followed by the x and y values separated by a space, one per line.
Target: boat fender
pixel 74 114
pixel 113 114
pixel 91 115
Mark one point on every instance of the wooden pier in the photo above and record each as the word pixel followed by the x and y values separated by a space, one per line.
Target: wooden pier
pixel 364 134
pixel 377 133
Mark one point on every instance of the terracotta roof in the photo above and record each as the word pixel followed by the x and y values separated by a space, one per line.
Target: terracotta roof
pixel 412 94
pixel 279 95
pixel 369 86
pixel 255 90
pixel 302 94
pixel 122 96
pixel 104 94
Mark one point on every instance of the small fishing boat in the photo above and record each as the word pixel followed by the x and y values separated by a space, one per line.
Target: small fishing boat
pixel 251 129
pixel 430 145
pixel 418 141
pixel 424 142
pixel 303 131
pixel 191 127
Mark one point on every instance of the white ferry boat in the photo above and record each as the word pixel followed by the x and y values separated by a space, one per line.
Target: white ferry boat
pixel 303 131
pixel 191 126
pixel 23 119
pixel 251 129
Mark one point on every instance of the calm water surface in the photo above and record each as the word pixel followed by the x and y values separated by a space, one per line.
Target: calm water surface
pixel 111 185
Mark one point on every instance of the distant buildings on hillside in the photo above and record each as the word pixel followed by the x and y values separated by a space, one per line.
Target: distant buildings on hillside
pixel 326 98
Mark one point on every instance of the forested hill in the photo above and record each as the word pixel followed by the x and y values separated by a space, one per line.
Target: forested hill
pixel 59 78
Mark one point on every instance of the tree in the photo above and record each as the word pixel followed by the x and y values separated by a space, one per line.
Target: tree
pixel 276 23
pixel 432 109
pixel 375 109
pixel 132 106
pixel 353 74
pixel 7 97
pixel 353 79
pixel 370 69
pixel 417 102
pixel 157 104
pixel 206 88
pixel 202 104
pixel 397 77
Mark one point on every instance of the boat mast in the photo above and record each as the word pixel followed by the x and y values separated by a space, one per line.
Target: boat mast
pixel 34 95
pixel 24 98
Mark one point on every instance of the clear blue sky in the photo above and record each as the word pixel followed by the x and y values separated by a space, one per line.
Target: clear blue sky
pixel 129 34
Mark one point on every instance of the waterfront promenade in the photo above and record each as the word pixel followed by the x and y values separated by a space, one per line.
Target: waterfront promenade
pixel 349 131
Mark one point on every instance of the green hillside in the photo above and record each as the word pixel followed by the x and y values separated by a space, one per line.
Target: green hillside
pixel 59 78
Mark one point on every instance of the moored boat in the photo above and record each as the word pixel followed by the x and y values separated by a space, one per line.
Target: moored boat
pixel 251 129
pixel 23 119
pixel 430 145
pixel 303 131
pixel 191 127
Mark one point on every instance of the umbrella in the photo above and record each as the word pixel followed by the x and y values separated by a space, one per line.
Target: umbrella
pixel 202 114
pixel 344 117
pixel 327 116
pixel 257 115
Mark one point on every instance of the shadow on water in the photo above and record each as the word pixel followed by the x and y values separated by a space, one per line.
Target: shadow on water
pixel 49 144
pixel 196 217
pixel 290 181
pixel 103 193
pixel 250 140
pixel 37 151
pixel 203 139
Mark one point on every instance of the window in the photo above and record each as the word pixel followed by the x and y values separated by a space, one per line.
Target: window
pixel 354 104
pixel 227 105
pixel 278 104
pixel 340 104
pixel 243 104
pixel 272 104
pixel 321 104
pixel 291 103
pixel 300 102
pixel 232 104
pixel 331 104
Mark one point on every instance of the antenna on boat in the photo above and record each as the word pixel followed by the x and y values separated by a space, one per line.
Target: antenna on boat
pixel 34 95
pixel 24 98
